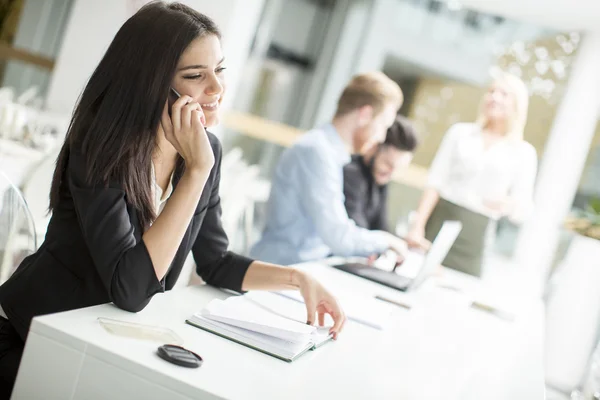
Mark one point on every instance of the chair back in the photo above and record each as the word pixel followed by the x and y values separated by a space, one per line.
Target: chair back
pixel 242 188
pixel 17 230
pixel 36 191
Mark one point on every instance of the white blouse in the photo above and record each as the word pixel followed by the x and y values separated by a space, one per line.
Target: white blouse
pixel 159 198
pixel 464 172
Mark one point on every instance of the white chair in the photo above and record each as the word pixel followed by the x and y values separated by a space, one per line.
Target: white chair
pixel 27 134
pixel 245 189
pixel 231 159
pixel 230 164
pixel 261 189
pixel 28 96
pixel 7 94
pixel 17 160
pixel 36 191
pixel 241 189
pixel 46 129
pixel 17 231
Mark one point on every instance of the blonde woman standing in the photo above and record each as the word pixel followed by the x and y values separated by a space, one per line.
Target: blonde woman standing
pixel 482 171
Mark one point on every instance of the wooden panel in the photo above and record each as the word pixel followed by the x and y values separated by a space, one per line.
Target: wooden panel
pixel 11 53
pixel 261 129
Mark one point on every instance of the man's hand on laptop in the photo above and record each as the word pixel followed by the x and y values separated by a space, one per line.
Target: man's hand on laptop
pixel 399 246
pixel 371 259
pixel 416 239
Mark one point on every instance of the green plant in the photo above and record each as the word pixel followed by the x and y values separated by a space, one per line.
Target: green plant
pixel 586 222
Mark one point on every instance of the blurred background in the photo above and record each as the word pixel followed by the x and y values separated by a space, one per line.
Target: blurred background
pixel 288 61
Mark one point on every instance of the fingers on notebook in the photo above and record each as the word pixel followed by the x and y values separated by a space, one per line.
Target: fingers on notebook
pixel 339 319
pixel 321 319
pixel 338 316
pixel 311 309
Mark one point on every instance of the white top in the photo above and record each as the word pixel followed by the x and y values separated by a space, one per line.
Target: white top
pixel 466 173
pixel 158 197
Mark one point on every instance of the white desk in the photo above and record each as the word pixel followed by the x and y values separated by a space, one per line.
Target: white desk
pixel 440 349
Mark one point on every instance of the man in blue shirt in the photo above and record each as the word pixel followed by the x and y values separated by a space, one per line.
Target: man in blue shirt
pixel 306 217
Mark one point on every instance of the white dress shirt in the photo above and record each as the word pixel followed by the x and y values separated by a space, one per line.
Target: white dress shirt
pixel 466 173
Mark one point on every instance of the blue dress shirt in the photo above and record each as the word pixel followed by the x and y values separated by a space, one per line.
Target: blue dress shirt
pixel 306 217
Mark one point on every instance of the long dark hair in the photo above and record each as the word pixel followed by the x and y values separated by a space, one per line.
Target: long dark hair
pixel 115 122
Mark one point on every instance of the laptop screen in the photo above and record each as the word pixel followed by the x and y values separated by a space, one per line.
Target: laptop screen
pixel 439 249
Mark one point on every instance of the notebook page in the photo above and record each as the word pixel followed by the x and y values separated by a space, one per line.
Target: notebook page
pixel 240 312
pixel 265 342
pixel 279 305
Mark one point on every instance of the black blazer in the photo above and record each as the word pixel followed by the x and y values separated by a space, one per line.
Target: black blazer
pixel 93 252
pixel 365 200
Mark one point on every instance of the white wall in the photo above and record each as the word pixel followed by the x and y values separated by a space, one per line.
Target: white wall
pixel 91 27
pixel 344 63
pixel 238 20
pixel 291 29
pixel 289 93
pixel 376 41
pixel 93 24
pixel 442 44
pixel 307 29
pixel 411 33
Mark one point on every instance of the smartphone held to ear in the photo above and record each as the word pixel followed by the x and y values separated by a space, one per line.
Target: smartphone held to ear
pixel 173 96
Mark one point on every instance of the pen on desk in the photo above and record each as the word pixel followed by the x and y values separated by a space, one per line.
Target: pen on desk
pixel 450 287
pixel 394 302
pixel 492 310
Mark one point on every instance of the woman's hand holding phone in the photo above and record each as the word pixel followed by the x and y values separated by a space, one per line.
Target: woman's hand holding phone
pixel 184 129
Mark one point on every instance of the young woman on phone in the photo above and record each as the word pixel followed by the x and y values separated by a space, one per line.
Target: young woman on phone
pixel 136 187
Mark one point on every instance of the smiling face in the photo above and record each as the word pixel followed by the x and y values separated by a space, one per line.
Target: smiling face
pixel 387 160
pixel 200 75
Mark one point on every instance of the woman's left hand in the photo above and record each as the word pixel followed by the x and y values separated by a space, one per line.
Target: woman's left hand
pixel 319 301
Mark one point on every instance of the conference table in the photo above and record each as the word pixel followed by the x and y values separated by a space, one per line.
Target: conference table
pixel 437 346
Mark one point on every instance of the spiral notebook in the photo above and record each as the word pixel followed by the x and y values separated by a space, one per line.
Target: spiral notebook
pixel 262 321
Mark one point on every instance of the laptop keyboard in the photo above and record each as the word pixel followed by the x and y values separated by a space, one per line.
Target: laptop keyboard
pixel 384 277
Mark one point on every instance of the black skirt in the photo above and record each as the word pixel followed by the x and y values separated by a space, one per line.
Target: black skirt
pixel 474 242
pixel 11 350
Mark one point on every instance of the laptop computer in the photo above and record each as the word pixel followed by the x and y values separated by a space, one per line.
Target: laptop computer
pixel 428 263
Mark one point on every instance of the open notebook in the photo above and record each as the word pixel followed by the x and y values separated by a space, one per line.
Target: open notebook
pixel 262 321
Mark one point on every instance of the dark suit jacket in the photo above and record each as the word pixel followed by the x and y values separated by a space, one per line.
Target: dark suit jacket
pixel 365 200
pixel 94 254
